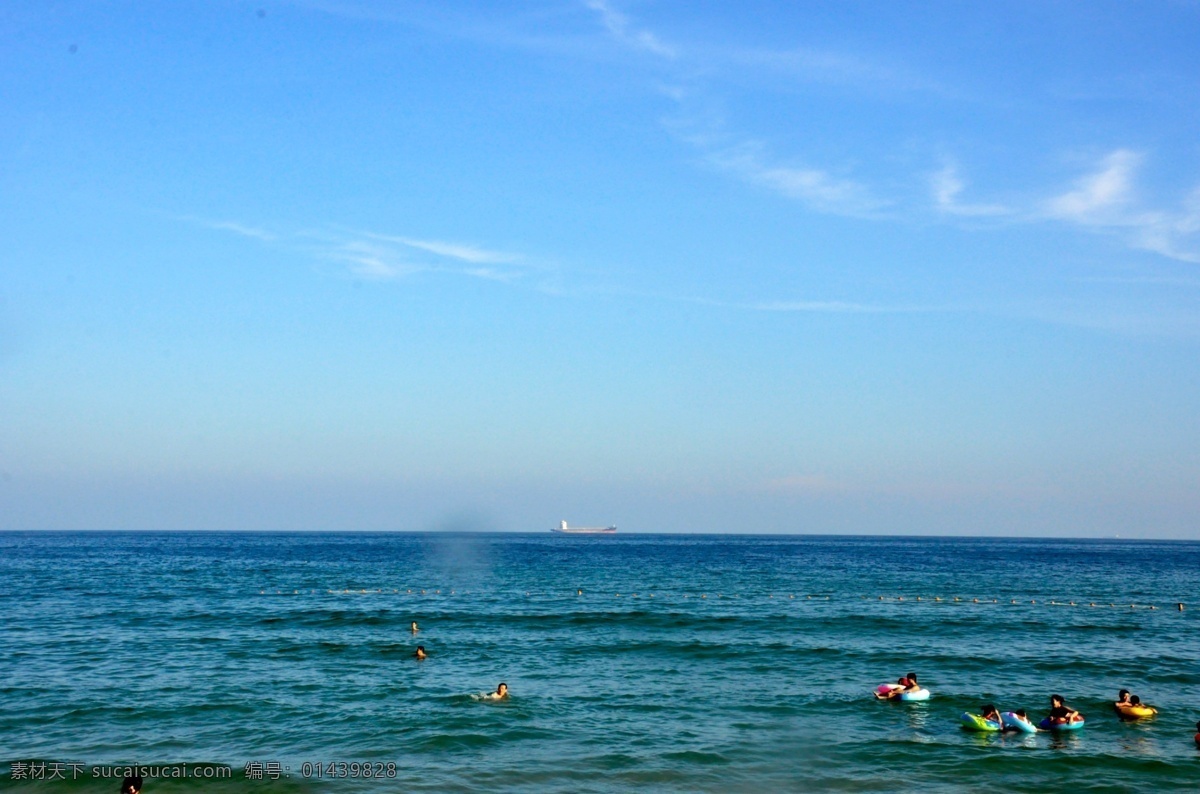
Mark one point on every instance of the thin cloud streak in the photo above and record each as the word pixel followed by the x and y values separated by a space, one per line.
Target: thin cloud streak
pixel 462 252
pixel 814 187
pixel 372 262
pixel 239 229
pixel 382 257
pixel 619 26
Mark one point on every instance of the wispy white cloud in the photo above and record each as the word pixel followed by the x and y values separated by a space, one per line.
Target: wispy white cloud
pixel 377 256
pixel 947 187
pixel 813 186
pixel 621 29
pixel 382 257
pixel 1099 197
pixel 373 262
pixel 460 251
pixel 1173 234
pixel 1105 201
pixel 241 229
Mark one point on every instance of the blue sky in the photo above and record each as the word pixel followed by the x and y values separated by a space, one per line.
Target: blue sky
pixel 727 267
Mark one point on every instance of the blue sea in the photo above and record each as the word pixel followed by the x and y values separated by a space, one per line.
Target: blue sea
pixel 283 662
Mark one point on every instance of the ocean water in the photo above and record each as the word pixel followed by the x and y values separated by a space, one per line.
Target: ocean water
pixel 659 663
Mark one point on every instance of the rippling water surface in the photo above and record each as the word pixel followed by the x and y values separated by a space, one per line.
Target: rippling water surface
pixel 687 663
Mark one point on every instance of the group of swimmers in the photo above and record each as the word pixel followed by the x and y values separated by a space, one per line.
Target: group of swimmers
pixel 1127 705
pixel 420 655
pixel 1060 714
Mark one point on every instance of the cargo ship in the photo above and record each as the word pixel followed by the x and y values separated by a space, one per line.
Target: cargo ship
pixel 567 530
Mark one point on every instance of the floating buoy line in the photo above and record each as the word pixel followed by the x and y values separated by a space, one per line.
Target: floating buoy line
pixel 962 600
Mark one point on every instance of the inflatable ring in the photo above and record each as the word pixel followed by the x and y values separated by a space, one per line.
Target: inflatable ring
pixel 1047 725
pixel 1135 712
pixel 974 722
pixel 916 694
pixel 1014 723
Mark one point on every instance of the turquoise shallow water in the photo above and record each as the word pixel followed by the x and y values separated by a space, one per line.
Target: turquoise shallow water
pixel 688 663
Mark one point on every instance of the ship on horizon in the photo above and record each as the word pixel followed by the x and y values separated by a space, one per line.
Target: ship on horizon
pixel 569 530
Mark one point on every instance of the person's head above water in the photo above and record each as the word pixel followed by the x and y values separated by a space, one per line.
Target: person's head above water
pixel 1020 713
pixel 1124 693
pixel 988 708
pixel 420 654
pixel 912 679
pixel 1056 700
pixel 502 690
pixel 414 625
pixel 1135 701
pixel 132 784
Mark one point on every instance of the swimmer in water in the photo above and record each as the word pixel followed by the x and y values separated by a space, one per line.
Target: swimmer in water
pixel 414 627
pixel 1122 699
pixel 420 654
pixel 906 684
pixel 1060 713
pixel 1136 702
pixel 501 692
pixel 132 784
pixel 989 712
